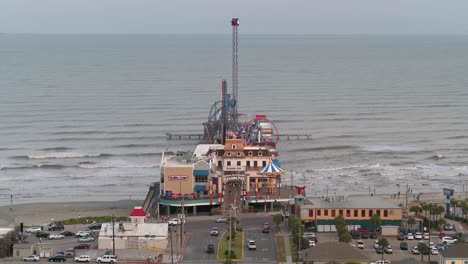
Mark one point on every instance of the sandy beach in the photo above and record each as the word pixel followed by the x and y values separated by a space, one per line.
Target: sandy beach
pixel 42 213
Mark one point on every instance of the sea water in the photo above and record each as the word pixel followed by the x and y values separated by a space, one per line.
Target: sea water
pixel 84 117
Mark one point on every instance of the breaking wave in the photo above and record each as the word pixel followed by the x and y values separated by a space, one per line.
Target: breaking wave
pixel 343 147
pixel 104 166
pixel 437 157
pixel 60 155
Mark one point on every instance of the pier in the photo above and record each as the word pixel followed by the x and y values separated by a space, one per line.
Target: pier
pixel 185 136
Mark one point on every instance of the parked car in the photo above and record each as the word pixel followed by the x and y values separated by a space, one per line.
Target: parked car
pixel 95 226
pixel 57 258
pixel 426 236
pixel 315 239
pixel 86 239
pixel 67 233
pixel 410 236
pixel 308 235
pixel 82 246
pixel 266 225
pixel 448 240
pixel 434 251
pixel 379 250
pixel 376 244
pixel 365 235
pixel 210 249
pixel 251 245
pixel 457 235
pixel 31 258
pixel 442 234
pixel 174 221
pixel 56 227
pixel 415 250
pixel 401 236
pixel 418 236
pixel 355 234
pixel 404 246
pixel 107 259
pixel 311 243
pixel 360 244
pixel 214 231
pixel 222 220
pixel 83 258
pixel 373 235
pixel 389 249
pixel 42 234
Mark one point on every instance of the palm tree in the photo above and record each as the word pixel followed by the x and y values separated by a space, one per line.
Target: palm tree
pixel 383 242
pixel 411 222
pixel 416 210
pixel 375 221
pixel 422 248
pixel 277 218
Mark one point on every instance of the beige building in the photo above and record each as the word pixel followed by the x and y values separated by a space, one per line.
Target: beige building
pixel 456 254
pixel 137 234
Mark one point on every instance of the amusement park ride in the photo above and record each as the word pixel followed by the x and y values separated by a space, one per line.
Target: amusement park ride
pixel 223 119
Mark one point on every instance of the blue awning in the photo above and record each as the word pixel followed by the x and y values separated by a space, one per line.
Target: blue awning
pixel 201 172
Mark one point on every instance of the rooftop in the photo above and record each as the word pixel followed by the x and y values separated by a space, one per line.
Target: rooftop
pixel 456 251
pixel 157 230
pixel 350 202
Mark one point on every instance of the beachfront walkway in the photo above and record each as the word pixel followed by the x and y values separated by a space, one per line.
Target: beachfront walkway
pixel 285 234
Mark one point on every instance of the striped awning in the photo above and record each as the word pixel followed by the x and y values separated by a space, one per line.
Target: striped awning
pixel 272 169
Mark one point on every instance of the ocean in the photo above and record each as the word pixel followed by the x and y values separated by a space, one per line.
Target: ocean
pixel 84 117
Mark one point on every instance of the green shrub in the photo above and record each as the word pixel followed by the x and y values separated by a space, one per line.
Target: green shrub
pixel 229 256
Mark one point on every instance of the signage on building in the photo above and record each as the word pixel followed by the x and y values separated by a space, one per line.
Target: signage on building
pixel 178 178
pixel 234 168
pixel 233 178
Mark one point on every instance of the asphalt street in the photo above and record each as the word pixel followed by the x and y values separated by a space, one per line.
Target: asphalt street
pixel 199 238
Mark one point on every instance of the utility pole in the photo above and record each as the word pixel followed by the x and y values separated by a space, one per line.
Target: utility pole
pixel 172 253
pixel 113 235
pixel 230 235
pixel 235 212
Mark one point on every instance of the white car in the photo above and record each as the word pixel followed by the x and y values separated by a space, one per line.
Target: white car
pixel 107 259
pixel 251 245
pixel 31 258
pixel 214 231
pixel 410 236
pixel 448 240
pixel 174 221
pixel 415 250
pixel 83 233
pixel 376 244
pixel 311 243
pixel 308 235
pixel 55 236
pixel 86 239
pixel 418 236
pixel 360 244
pixel 33 229
pixel 221 220
pixel 434 251
pixel 381 262
pixel 389 249
pixel 426 236
pixel 83 258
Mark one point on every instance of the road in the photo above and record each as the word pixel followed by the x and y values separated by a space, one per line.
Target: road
pixel 199 238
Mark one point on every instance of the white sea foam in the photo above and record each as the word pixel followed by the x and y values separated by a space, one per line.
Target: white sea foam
pixel 62 155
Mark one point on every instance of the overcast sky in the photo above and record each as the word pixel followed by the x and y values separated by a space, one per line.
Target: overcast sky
pixel 256 16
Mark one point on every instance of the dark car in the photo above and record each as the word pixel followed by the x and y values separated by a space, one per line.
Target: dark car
pixel 448 227
pixel 401 236
pixel 266 230
pixel 404 246
pixel 82 246
pixel 457 235
pixel 365 235
pixel 67 233
pixel 315 239
pixel 42 234
pixel 379 250
pixel 210 249
pixel 55 228
pixel 373 235
pixel 95 226
pixel 57 258
pixel 355 235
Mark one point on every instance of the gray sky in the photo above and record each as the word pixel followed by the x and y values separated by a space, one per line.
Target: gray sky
pixel 256 16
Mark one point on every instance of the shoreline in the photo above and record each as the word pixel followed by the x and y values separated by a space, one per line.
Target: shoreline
pixel 43 213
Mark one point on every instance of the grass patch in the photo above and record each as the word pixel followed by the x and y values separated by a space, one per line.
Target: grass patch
pixel 293 250
pixel 236 246
pixel 90 219
pixel 280 249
